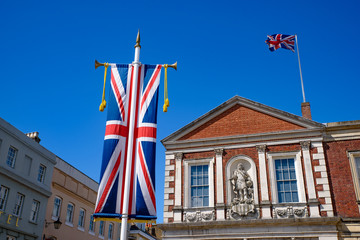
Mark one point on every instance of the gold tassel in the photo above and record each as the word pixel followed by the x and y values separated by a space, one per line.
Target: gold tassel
pixel 103 102
pixel 166 99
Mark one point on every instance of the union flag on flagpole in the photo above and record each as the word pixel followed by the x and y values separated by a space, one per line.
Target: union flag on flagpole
pixel 141 200
pixel 277 41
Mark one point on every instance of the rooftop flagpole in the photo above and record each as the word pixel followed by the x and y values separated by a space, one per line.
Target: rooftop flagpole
pixel 134 86
pixel 302 82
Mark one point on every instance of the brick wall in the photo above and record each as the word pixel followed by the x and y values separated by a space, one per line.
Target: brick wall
pixel 340 176
pixel 240 120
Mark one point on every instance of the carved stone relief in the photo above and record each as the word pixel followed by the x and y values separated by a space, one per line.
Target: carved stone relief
pixel 242 204
pixel 199 216
pixel 290 212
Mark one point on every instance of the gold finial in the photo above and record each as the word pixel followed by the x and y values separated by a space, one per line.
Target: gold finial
pixel 138 40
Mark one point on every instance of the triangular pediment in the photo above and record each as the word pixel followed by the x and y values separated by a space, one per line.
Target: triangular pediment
pixel 238 117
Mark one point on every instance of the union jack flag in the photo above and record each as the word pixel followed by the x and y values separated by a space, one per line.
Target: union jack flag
pixel 277 41
pixel 141 201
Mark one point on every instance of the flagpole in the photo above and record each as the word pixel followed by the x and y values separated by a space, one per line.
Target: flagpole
pixel 302 82
pixel 125 210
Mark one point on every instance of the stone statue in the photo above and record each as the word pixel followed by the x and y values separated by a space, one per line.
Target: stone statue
pixel 242 185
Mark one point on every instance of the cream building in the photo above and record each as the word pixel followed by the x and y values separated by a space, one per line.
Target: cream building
pixel 25 179
pixel 72 202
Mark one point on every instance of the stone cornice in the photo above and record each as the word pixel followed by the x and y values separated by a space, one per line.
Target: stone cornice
pixel 294 136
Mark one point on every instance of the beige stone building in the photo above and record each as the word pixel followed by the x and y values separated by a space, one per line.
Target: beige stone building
pixel 72 202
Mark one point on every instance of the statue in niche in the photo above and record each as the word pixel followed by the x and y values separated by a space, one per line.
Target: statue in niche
pixel 243 202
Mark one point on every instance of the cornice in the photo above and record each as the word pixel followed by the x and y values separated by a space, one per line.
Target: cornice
pixel 257 139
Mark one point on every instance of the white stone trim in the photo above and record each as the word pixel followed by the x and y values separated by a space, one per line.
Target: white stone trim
pixel 354 172
pixel 191 162
pixel 263 173
pixel 219 176
pixel 298 169
pixel 169 157
pixel 178 174
pixel 220 213
pixel 323 180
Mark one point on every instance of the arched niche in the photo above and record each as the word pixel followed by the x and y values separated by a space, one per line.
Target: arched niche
pixel 250 168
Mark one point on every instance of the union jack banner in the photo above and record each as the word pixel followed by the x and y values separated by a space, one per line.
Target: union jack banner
pixel 277 41
pixel 141 200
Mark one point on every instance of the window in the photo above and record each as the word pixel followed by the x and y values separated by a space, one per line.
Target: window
pixel 92 224
pixel 101 229
pixel 41 173
pixel 18 204
pixel 11 157
pixel 10 237
pixel 286 180
pixel 57 208
pixel 34 211
pixel 70 213
pixel 286 177
pixel 4 191
pixel 199 184
pixel 110 234
pixel 354 158
pixel 81 218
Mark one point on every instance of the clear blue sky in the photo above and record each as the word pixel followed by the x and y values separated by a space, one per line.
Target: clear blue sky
pixel 49 84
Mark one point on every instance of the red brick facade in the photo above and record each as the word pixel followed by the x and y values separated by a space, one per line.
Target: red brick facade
pixel 260 135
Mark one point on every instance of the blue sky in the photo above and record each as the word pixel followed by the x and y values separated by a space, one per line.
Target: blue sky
pixel 49 84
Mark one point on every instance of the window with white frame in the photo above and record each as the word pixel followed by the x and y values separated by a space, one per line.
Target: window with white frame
pixel 81 218
pixel 101 228
pixel 111 229
pixel 41 173
pixel 56 208
pixel 286 176
pixel 70 213
pixel 286 180
pixel 34 211
pixel 92 224
pixel 4 191
pixel 198 183
pixel 354 158
pixel 19 202
pixel 11 157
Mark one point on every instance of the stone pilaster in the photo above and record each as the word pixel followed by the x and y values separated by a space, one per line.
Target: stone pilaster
pixel 178 187
pixel 220 206
pixel 313 202
pixel 265 203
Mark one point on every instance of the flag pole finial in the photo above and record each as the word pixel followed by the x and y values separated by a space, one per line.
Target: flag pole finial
pixel 138 40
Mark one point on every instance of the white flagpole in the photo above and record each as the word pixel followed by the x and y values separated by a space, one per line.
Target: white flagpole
pixel 302 83
pixel 124 218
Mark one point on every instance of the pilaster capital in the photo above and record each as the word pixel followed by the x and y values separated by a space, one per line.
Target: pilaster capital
pixel 178 156
pixel 305 145
pixel 219 151
pixel 261 148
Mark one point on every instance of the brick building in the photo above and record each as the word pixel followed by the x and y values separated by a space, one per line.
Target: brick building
pixel 245 170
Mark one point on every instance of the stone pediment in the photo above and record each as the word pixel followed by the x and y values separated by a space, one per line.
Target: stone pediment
pixel 241 117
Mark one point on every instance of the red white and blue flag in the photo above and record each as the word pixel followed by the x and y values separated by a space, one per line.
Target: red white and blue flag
pixel 141 199
pixel 277 41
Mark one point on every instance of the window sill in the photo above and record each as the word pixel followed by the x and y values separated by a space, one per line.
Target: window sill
pixel 69 224
pixel 92 233
pixel 54 218
pixel 35 223
pixel 101 237
pixel 81 228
